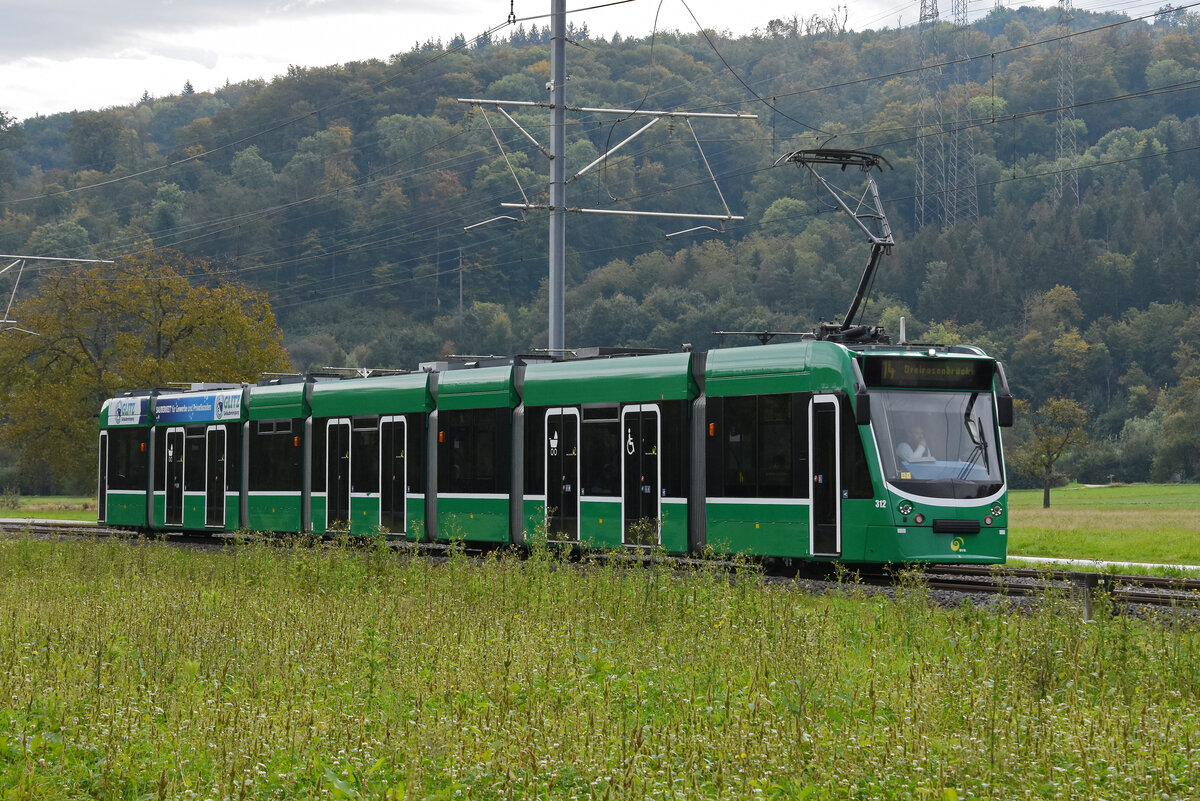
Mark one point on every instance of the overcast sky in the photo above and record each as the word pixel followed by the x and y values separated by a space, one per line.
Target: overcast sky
pixel 64 55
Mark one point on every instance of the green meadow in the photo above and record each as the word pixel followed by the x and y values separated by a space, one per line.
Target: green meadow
pixel 47 507
pixel 1134 523
pixel 133 670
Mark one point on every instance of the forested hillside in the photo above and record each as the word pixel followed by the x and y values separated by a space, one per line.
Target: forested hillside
pixel 344 192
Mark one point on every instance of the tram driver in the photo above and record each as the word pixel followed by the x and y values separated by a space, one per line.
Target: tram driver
pixel 914 448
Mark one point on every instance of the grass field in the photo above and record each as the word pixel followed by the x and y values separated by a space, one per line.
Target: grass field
pixel 51 507
pixel 140 671
pixel 1135 523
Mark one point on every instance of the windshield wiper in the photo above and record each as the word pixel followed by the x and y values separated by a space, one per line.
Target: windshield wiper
pixel 975 432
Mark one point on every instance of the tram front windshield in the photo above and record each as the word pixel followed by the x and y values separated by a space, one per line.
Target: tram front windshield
pixel 938 444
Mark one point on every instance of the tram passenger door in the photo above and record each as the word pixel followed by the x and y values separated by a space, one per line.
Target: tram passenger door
pixel 214 490
pixel 393 478
pixel 102 483
pixel 641 474
pixel 337 474
pixel 562 475
pixel 824 459
pixel 174 483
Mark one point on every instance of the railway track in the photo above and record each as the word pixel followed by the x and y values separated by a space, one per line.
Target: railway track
pixel 45 528
pixel 1160 591
pixel 967 580
pixel 1015 580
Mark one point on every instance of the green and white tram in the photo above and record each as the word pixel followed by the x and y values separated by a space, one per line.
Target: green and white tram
pixel 810 450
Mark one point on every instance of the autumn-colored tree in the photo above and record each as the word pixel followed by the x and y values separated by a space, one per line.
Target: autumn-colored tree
pixel 148 321
pixel 1057 427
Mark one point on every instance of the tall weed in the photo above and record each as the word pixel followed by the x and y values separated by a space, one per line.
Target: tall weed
pixel 310 670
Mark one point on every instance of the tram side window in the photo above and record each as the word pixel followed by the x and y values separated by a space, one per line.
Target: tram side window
pixel 473 450
pixel 600 451
pixel 364 454
pixel 317 474
pixel 758 446
pixel 535 447
pixel 415 456
pixel 676 447
pixel 194 466
pixel 233 455
pixel 127 459
pixel 275 456
pixel 736 441
pixel 160 458
pixel 774 432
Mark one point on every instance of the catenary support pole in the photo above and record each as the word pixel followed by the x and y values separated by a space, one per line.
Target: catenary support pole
pixel 558 185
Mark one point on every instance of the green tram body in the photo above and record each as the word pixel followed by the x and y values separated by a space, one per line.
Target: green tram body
pixel 788 450
pixel 367 444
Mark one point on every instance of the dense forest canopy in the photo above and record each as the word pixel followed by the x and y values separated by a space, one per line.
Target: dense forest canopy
pixel 345 193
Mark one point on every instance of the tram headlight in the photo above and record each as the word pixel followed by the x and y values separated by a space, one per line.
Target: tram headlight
pixel 905 508
pixel 997 510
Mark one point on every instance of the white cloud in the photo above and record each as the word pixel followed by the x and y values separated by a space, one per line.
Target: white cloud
pixel 60 55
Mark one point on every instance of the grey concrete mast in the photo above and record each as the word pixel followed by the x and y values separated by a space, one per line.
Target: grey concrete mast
pixel 558 174
pixel 556 154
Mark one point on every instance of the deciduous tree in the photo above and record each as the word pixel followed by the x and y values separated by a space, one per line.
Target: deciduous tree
pixel 1058 426
pixel 148 321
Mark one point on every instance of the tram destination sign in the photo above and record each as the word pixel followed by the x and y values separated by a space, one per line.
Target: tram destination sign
pixel 920 372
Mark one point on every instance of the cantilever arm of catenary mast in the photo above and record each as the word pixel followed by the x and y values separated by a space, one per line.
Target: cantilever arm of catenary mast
pixel 52 258
pixel 21 261
pixel 614 149
pixel 511 171
pixel 521 128
pixel 655 115
pixel 704 158
pixel 625 112
pixel 671 214
pixel 13 296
